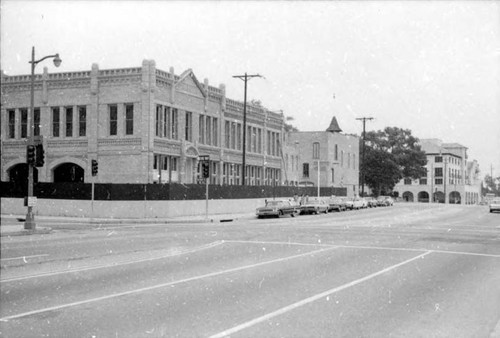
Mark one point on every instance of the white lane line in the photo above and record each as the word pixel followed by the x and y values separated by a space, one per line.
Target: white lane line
pixel 293 306
pixel 22 257
pixel 372 248
pixel 59 272
pixel 149 288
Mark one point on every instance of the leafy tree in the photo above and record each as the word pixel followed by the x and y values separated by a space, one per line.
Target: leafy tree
pixel 390 155
pixel 491 185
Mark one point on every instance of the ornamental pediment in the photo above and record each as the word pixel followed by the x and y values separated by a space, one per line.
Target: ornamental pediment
pixel 188 83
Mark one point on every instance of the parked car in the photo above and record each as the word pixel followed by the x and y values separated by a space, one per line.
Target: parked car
pixel 336 203
pixel 364 202
pixel 277 208
pixel 385 201
pixel 314 206
pixel 495 204
pixel 372 202
pixel 354 203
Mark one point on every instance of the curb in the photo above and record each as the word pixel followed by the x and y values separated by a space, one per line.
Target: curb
pixel 25 232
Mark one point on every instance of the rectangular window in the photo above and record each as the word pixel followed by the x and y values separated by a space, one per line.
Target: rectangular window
pixel 158 123
pixel 438 181
pixel 12 124
pixel 333 175
pixel 36 131
pixel 353 161
pixel 24 123
pixel 438 172
pixel 69 121
pixel 227 134
pixel 173 124
pixel 423 181
pixel 129 119
pixel 438 159
pixel 259 141
pixel 82 121
pixel 113 119
pixel 208 130
pixel 233 136
pixel 189 126
pixel 407 181
pixel 268 143
pixel 165 122
pixel 238 137
pixel 201 129
pixel 315 150
pixel 215 135
pixel 305 170
pixel 56 120
pixel 336 152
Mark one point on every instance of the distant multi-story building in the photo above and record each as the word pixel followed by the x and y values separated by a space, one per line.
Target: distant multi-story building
pixel 450 178
pixel 142 125
pixel 326 158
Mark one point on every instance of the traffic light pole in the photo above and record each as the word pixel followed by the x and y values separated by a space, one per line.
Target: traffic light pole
pixel 363 166
pixel 206 199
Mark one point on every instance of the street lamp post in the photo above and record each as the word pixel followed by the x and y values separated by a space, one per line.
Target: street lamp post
pixel 30 217
pixel 245 78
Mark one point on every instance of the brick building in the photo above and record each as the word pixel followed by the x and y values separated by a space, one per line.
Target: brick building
pixel 142 125
pixel 327 158
pixel 450 178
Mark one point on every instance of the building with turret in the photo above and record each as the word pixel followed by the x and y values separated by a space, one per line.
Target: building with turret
pixel 327 158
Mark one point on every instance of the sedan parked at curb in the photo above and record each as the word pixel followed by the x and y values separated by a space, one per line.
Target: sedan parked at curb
pixel 314 207
pixel 336 203
pixel 385 201
pixel 354 203
pixel 277 208
pixel 495 204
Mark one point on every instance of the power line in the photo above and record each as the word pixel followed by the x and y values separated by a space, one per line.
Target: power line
pixel 245 78
pixel 364 119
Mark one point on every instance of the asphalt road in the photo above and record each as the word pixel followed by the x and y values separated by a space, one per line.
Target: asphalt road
pixel 410 270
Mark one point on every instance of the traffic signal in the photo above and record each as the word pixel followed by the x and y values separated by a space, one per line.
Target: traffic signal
pixel 30 154
pixel 205 168
pixel 95 169
pixel 40 156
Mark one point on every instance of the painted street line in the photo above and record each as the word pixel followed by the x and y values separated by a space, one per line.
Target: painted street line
pixel 158 286
pixel 59 272
pixel 371 248
pixel 312 299
pixel 22 257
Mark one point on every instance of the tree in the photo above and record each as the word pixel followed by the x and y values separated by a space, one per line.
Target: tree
pixel 392 154
pixel 491 185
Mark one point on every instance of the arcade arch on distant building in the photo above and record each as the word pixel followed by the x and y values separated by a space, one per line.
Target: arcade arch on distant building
pixel 455 198
pixel 423 197
pixel 408 196
pixel 439 197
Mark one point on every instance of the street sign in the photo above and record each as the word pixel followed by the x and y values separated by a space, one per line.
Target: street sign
pixel 31 201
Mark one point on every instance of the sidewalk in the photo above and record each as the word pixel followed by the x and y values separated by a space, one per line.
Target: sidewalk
pixel 13 225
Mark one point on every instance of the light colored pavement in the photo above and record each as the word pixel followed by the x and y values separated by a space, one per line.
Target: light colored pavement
pixel 407 271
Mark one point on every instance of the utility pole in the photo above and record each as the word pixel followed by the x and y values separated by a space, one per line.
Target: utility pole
pixel 245 78
pixel 363 155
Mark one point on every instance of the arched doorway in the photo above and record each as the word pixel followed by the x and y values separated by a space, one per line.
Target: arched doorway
pixel 69 172
pixel 408 196
pixel 423 197
pixel 455 198
pixel 438 197
pixel 18 175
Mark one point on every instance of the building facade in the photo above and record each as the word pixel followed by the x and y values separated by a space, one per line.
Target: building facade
pixel 327 159
pixel 142 125
pixel 450 178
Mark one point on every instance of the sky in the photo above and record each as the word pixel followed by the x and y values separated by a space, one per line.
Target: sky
pixel 429 66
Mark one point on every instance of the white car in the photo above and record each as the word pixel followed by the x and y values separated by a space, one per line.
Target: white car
pixel 495 204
